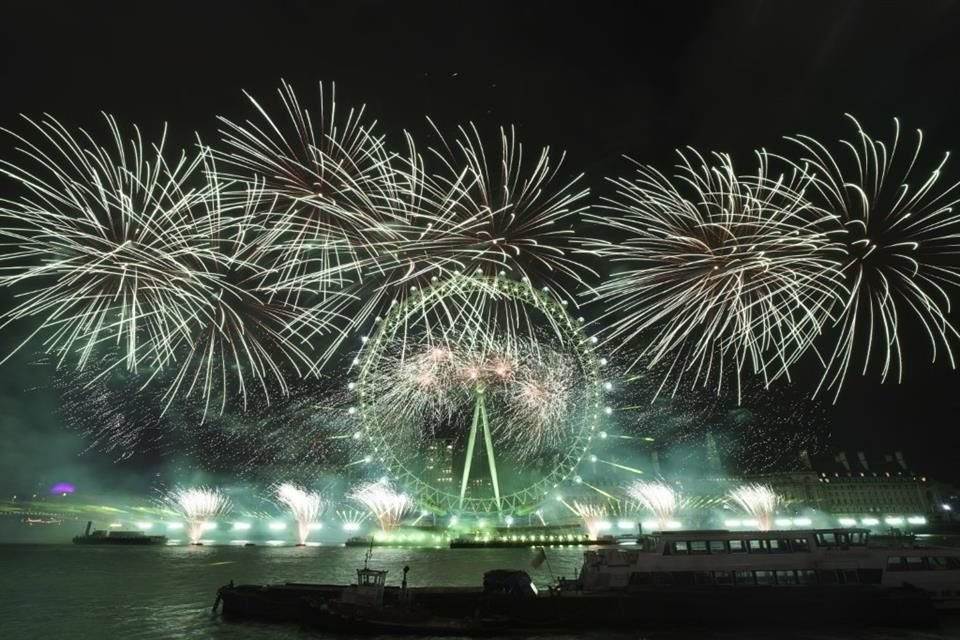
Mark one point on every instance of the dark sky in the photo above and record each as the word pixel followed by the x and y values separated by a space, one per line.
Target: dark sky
pixel 597 79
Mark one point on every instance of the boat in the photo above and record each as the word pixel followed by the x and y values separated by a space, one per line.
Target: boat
pixel 116 537
pixel 700 578
pixel 834 560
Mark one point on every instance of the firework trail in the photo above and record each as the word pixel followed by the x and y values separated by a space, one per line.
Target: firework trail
pixel 896 237
pixel 305 506
pixel 108 236
pixel 715 273
pixel 383 502
pixel 370 227
pixel 594 517
pixel 759 501
pixel 115 254
pixel 657 497
pixel 198 506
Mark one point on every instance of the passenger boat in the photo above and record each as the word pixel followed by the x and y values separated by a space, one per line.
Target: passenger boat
pixel 826 558
pixel 116 537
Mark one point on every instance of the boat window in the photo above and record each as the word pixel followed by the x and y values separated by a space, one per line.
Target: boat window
pixel 849 576
pixel 703 577
pixel 916 563
pixel 807 576
pixel 756 546
pixel 826 539
pixel 937 563
pixel 869 576
pixel 827 577
pixel 718 546
pixel 800 544
pixel 743 577
pixel 953 562
pixel 723 577
pixel 786 577
pixel 680 546
pixel 698 546
pixel 764 577
pixel 858 538
pixel 779 545
pixel 736 546
pixel 896 563
pixel 842 539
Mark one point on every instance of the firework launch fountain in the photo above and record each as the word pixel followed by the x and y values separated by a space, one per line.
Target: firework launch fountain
pixel 305 506
pixel 383 502
pixel 657 497
pixel 198 506
pixel 759 501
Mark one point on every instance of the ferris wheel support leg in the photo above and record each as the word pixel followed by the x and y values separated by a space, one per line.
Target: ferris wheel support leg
pixel 488 443
pixel 471 442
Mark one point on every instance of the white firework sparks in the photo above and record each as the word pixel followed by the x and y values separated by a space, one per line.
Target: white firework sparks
pixel 109 238
pixel 715 272
pixel 529 388
pixel 306 507
pixel 657 497
pixel 758 500
pixel 593 516
pixel 383 502
pixel 198 506
pixel 897 238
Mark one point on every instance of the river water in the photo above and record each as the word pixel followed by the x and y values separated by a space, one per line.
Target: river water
pixel 86 592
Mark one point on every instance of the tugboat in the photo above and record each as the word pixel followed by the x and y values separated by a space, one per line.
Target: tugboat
pixel 361 609
pixel 117 537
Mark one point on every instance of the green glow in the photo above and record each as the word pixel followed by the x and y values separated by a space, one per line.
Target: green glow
pixel 622 466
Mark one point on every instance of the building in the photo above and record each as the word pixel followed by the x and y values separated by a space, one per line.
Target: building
pixel 858 487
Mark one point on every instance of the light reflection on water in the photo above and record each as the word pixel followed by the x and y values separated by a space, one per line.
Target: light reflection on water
pixel 86 592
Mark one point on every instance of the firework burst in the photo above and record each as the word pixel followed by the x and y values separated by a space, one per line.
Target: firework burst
pixel 306 507
pixel 101 251
pixel 530 388
pixel 658 498
pixel 383 502
pixel 896 233
pixel 716 272
pixel 758 500
pixel 198 506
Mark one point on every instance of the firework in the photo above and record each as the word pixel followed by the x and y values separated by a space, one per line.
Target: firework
pixel 895 234
pixel 715 273
pixel 529 392
pixel 657 497
pixel 383 502
pixel 594 517
pixel 759 501
pixel 305 506
pixel 100 251
pixel 122 263
pixel 369 226
pixel 198 506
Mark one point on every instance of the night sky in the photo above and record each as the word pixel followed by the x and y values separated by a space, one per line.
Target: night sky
pixel 599 80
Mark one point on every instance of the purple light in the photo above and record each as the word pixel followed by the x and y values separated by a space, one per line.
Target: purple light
pixel 62 487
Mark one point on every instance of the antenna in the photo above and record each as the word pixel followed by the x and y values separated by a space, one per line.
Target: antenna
pixel 366 556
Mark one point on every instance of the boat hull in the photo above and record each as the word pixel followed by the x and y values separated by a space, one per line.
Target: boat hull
pixel 471 611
